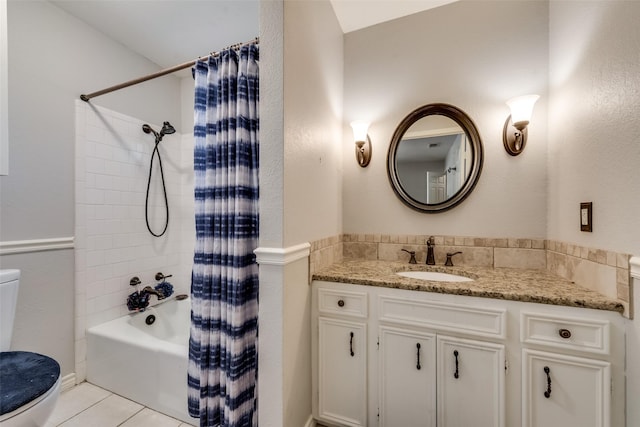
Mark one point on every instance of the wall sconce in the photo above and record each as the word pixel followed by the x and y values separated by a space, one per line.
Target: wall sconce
pixel 514 134
pixel 363 143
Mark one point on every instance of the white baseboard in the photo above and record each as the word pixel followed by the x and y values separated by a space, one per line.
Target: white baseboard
pixel 310 422
pixel 68 382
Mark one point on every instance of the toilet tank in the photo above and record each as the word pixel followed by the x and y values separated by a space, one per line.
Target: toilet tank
pixel 9 281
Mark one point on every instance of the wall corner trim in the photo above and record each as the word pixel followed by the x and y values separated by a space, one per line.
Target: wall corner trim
pixel 37 245
pixel 634 264
pixel 282 256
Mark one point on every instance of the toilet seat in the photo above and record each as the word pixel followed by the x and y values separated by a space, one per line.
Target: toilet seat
pixel 27 380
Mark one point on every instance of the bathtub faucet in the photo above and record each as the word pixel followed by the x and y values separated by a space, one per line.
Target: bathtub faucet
pixel 139 301
pixel 148 290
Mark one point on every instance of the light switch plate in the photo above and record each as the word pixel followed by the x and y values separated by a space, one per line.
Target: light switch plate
pixel 586 216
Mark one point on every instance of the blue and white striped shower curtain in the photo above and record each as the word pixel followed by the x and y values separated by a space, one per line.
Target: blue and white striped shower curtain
pixel 223 357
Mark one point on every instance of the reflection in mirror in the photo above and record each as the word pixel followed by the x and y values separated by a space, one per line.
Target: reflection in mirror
pixel 435 158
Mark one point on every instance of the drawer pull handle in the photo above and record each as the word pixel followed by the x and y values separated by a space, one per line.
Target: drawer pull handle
pixel 456 374
pixel 564 333
pixel 351 345
pixel 418 367
pixel 547 393
pixel 340 303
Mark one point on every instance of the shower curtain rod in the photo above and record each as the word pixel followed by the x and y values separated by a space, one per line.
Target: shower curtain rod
pixel 88 96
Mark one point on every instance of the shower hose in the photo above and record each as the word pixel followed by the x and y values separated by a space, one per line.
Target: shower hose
pixel 164 190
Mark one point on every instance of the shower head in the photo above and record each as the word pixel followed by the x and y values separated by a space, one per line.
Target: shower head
pixel 167 129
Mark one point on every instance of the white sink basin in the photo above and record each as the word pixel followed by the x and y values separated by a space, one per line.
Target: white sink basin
pixel 434 276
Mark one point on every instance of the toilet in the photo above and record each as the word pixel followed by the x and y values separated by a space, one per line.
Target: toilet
pixel 29 382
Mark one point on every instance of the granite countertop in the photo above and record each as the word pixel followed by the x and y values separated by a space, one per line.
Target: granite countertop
pixel 499 283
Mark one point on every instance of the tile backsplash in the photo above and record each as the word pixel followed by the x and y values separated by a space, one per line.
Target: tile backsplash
pixel 606 272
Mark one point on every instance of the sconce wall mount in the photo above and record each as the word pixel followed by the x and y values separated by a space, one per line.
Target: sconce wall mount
pixel 363 152
pixel 514 132
pixel 514 138
pixel 363 143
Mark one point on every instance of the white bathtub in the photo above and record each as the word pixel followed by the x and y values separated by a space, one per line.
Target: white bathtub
pixel 145 363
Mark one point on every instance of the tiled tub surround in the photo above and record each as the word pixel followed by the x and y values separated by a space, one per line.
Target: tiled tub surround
pixel 503 283
pixel 605 272
pixel 112 241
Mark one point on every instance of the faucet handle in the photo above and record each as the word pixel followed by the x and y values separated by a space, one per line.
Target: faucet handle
pixel 412 260
pixel 448 262
pixel 159 276
pixel 431 241
pixel 135 281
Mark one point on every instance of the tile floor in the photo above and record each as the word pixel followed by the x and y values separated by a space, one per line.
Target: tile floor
pixel 86 405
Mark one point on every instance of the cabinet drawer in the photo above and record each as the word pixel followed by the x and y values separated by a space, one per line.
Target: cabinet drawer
pixel 486 322
pixel 579 334
pixel 346 303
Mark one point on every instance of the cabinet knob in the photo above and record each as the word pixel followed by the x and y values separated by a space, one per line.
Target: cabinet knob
pixel 564 333
pixel 340 303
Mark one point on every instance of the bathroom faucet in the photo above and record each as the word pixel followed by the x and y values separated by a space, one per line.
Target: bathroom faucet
pixel 448 262
pixel 431 260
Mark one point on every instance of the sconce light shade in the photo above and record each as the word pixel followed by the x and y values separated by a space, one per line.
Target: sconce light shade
pixel 514 133
pixel 363 144
pixel 522 108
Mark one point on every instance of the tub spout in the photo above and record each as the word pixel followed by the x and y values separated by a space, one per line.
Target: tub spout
pixel 150 290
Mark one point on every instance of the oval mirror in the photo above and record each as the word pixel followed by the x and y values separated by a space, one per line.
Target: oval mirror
pixel 435 158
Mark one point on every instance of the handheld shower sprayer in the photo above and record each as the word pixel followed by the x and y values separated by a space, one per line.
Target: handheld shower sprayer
pixel 167 129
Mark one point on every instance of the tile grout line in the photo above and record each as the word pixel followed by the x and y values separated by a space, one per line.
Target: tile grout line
pixel 133 415
pixel 85 409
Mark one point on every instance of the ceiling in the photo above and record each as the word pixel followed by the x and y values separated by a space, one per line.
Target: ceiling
pixel 357 14
pixel 170 32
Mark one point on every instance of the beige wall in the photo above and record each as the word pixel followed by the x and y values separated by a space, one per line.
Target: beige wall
pixel 53 58
pixel 594 118
pixel 474 55
pixel 313 71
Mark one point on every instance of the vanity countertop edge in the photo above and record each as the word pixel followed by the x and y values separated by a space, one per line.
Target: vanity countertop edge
pixel 537 286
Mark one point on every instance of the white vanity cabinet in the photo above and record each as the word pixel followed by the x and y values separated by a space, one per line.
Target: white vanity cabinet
pixel 340 346
pixel 406 377
pixel 435 380
pixel 567 371
pixel 416 342
pixel 560 390
pixel 470 383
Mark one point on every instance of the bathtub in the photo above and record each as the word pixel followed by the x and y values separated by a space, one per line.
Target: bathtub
pixel 145 363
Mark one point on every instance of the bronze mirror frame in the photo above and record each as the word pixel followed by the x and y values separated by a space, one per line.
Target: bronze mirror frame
pixel 475 142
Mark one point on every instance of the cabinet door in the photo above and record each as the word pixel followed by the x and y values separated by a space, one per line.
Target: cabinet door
pixel 471 383
pixel 342 371
pixel 407 384
pixel 559 390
